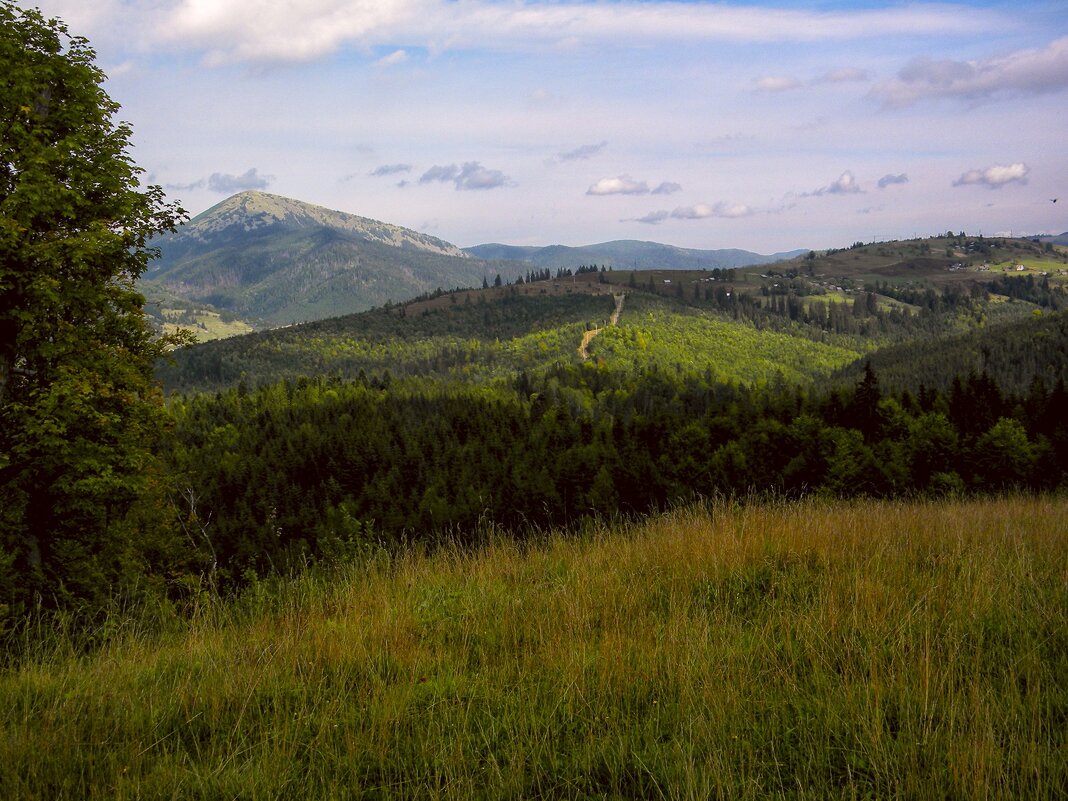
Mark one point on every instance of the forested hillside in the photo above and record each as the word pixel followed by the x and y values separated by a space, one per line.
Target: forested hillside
pixel 1015 352
pixel 432 416
pixel 480 339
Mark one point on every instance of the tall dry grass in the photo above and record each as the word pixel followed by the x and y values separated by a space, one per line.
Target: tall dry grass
pixel 808 650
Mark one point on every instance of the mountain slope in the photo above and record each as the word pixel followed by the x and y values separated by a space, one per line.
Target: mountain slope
pixel 627 254
pixel 273 261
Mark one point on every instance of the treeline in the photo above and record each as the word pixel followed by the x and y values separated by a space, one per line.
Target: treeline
pixel 927 298
pixel 267 480
pixel 1041 292
pixel 1025 287
pixel 795 304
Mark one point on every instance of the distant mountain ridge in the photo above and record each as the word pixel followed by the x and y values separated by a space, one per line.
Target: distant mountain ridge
pixel 269 260
pixel 628 254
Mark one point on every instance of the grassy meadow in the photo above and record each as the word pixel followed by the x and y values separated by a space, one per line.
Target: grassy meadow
pixel 204 324
pixel 808 650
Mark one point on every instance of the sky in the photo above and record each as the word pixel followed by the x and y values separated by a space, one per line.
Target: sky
pixel 767 126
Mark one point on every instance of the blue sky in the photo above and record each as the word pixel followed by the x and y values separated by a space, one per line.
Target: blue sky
pixel 766 126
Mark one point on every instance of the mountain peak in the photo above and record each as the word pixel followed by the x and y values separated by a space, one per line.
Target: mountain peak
pixel 252 210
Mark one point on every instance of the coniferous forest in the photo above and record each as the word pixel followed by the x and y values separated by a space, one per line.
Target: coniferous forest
pixel 297 469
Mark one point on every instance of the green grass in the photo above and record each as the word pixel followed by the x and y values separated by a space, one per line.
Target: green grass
pixel 1032 266
pixel 812 650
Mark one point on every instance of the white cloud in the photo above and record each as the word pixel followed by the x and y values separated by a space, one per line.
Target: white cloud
pixel 1025 72
pixel 700 211
pixel 474 176
pixel 227 184
pixel 996 176
pixel 389 169
pixel 667 188
pixel 625 185
pixel 118 70
pixel 394 58
pixel 197 184
pixel 653 217
pixel 776 83
pixel 266 30
pixel 622 185
pixel 770 84
pixel 844 75
pixel 846 184
pixel 732 210
pixel 440 172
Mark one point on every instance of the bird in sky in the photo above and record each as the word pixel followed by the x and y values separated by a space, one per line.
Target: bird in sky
pixel 1053 199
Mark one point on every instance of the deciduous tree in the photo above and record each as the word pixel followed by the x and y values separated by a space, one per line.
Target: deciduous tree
pixel 78 404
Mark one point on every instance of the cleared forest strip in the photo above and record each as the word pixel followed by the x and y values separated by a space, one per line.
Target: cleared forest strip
pixel 587 338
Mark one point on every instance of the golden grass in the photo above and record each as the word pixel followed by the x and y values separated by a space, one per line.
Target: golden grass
pixel 810 650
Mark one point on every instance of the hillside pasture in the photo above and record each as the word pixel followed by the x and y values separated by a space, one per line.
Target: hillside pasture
pixel 812 650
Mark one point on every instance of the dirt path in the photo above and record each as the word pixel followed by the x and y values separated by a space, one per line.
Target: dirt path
pixel 587 338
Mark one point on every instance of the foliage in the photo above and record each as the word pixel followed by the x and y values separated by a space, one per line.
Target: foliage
pixel 1042 293
pixel 78 407
pixel 493 340
pixel 284 472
